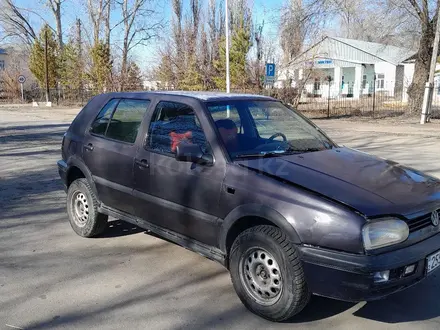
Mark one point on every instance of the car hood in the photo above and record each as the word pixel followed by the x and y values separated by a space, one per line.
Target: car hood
pixel 371 185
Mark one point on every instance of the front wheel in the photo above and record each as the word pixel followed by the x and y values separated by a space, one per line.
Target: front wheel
pixel 82 208
pixel 267 273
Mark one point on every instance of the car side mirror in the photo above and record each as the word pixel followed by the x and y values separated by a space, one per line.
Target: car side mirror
pixel 192 153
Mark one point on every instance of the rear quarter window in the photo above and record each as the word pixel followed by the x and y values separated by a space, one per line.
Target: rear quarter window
pixel 99 125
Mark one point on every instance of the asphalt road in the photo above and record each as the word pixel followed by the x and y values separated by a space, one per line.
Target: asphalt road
pixel 127 279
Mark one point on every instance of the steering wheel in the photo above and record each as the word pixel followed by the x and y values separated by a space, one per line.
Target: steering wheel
pixel 274 136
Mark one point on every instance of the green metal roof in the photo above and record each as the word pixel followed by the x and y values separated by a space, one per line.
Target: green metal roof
pixel 388 53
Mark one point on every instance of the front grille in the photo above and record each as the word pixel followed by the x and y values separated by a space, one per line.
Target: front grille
pixel 419 223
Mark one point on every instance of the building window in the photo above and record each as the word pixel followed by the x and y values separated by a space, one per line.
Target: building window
pixel 380 81
pixel 2 64
pixel 364 81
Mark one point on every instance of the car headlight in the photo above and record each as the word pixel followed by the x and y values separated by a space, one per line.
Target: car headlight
pixel 383 233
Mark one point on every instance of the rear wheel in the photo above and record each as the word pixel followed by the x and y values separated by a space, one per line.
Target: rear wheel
pixel 267 273
pixel 82 208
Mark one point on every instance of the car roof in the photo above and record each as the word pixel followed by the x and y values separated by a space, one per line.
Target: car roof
pixel 203 96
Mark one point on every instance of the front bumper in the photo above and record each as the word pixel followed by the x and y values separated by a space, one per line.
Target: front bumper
pixel 349 277
pixel 62 170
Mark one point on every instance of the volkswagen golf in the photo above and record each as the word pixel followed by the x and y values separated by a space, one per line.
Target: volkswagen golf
pixel 249 182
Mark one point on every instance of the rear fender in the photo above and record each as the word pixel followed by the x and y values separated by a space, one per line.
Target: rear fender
pixel 74 161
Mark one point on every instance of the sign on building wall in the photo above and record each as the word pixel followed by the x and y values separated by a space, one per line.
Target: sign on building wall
pixel 319 62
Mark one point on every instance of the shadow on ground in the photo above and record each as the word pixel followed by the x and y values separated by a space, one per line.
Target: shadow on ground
pixel 118 228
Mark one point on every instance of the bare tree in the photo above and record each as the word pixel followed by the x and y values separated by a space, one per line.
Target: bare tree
pixel 302 21
pixel 426 14
pixel 18 64
pixel 177 40
pixel 216 24
pixel 96 11
pixel 258 37
pixel 15 23
pixel 213 28
pixel 140 27
pixel 55 6
pixel 107 21
pixel 348 11
pixel 376 21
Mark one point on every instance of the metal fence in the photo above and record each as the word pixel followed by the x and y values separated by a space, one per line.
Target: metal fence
pixel 315 100
pixel 373 99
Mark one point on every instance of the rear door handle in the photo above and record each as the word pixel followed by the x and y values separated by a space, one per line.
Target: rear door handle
pixel 88 147
pixel 142 163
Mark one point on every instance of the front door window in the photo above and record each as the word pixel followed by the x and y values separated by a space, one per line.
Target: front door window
pixel 173 123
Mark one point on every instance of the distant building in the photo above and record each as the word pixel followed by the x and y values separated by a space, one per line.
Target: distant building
pixel 3 58
pixel 151 85
pixel 355 68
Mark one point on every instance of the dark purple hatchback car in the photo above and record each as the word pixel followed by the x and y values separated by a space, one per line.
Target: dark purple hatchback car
pixel 249 182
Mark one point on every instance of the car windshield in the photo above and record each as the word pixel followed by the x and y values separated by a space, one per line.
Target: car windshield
pixel 264 129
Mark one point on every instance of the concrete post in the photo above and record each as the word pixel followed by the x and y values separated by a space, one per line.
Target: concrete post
pixel 337 82
pixel 358 72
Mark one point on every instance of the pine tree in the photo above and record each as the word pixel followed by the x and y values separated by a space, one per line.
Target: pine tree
pixel 240 46
pixel 71 67
pixel 134 77
pixel 37 58
pixel 101 66
pixel 166 72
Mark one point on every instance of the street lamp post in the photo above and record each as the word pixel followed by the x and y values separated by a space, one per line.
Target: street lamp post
pixel 429 87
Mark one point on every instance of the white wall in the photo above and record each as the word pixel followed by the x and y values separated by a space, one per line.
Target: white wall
pixel 151 84
pixel 408 76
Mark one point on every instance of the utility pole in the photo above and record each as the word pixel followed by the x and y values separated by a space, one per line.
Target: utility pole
pixel 79 45
pixel 258 37
pixel 429 87
pixel 228 84
pixel 46 65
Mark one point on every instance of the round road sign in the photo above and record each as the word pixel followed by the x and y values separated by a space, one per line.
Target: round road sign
pixel 21 79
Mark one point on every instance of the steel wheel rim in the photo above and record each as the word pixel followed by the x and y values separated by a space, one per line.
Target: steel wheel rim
pixel 80 207
pixel 261 276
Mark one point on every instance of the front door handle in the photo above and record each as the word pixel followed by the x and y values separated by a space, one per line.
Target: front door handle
pixel 88 147
pixel 142 163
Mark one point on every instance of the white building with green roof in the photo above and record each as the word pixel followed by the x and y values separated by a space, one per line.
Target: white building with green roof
pixel 355 69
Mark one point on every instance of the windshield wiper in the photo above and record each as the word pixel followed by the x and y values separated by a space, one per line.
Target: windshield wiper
pixel 262 154
pixel 298 150
pixel 289 151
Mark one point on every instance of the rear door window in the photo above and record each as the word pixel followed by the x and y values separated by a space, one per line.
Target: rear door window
pixel 126 120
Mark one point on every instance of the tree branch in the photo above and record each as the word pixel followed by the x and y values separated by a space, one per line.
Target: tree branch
pixel 418 10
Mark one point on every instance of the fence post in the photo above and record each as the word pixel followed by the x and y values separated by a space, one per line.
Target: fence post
pixel 328 100
pixel 374 94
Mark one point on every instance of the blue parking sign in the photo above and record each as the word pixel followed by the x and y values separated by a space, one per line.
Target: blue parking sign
pixel 270 70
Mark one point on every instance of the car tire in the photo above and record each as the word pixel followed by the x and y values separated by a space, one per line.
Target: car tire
pixel 82 208
pixel 267 273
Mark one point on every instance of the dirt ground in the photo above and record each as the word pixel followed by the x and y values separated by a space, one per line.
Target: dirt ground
pixel 52 279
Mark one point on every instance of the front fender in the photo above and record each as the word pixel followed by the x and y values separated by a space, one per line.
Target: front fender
pixel 256 210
